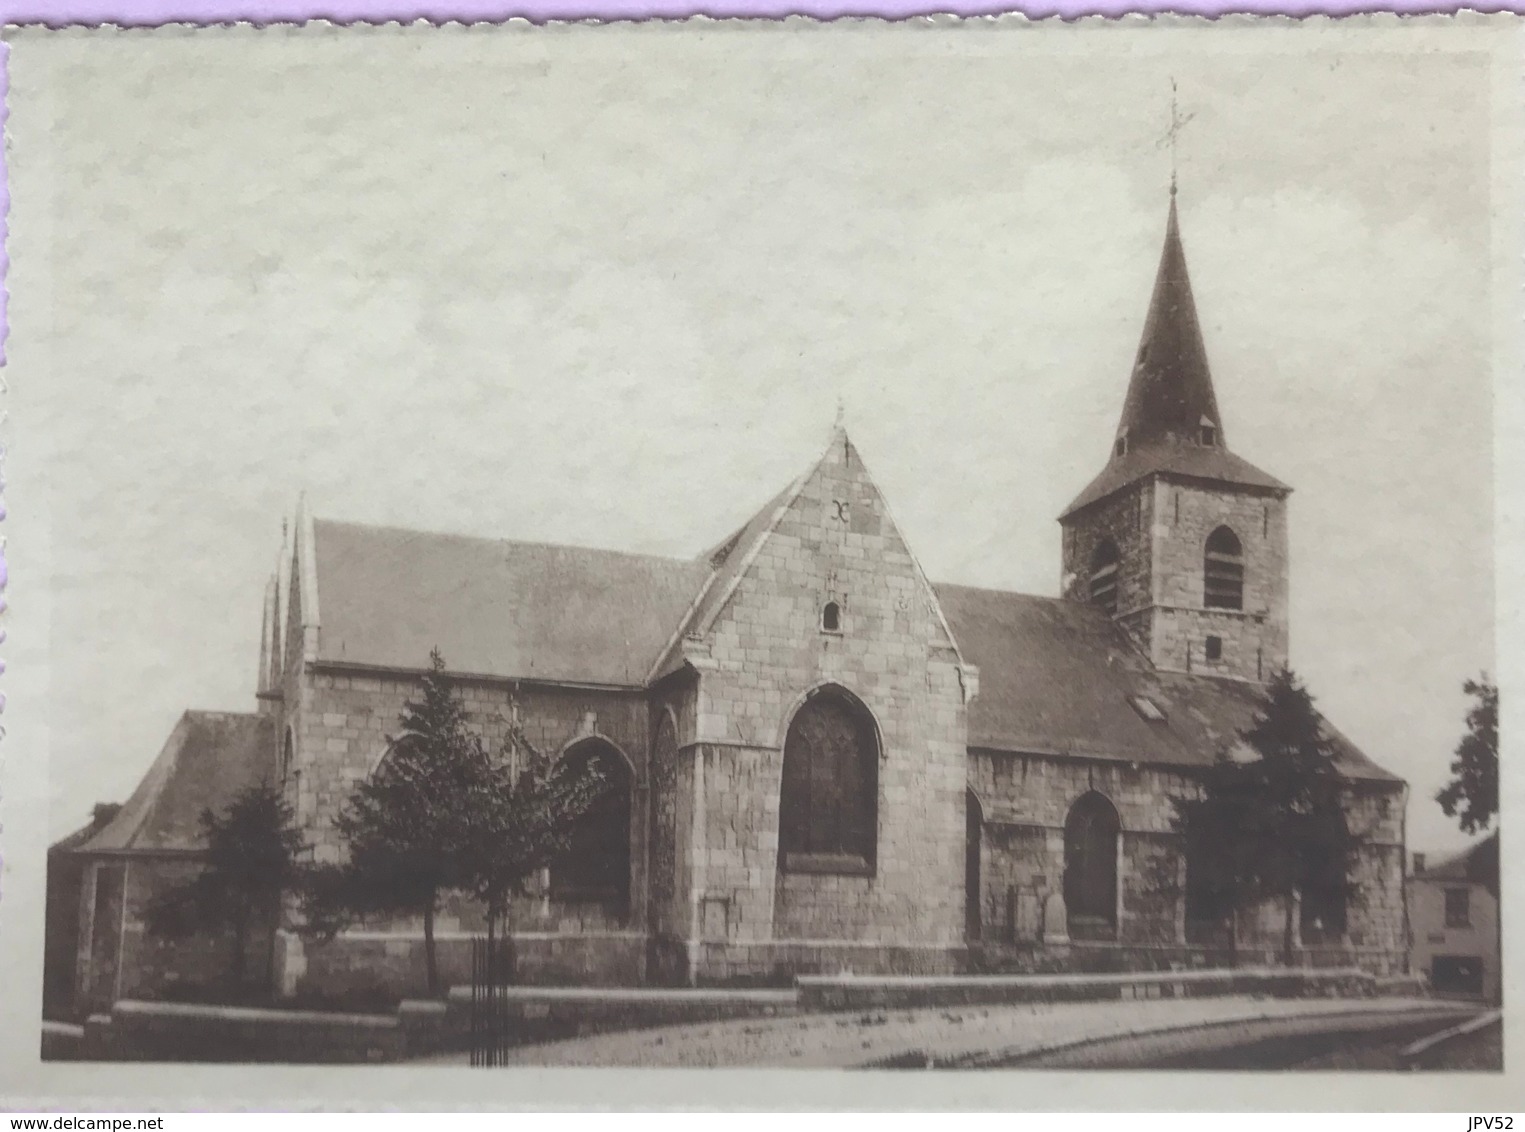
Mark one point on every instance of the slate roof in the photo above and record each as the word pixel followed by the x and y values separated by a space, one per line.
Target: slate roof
pixel 386 597
pixel 1191 461
pixel 1171 388
pixel 1056 677
pixel 1170 395
pixel 1468 865
pixel 208 758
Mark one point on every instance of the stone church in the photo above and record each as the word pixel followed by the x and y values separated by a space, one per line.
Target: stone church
pixel 819 759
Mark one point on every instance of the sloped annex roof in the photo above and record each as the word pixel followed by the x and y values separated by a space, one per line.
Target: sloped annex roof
pixel 494 607
pixel 1059 677
pixel 1468 865
pixel 207 760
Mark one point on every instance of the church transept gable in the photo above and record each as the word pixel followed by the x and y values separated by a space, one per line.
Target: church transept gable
pixel 824 591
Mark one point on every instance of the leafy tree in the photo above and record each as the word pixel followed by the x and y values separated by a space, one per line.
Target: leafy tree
pixel 406 826
pixel 440 813
pixel 251 859
pixel 1472 795
pixel 1272 824
pixel 523 819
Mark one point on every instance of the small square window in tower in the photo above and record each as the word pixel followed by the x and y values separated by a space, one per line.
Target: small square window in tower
pixel 1214 649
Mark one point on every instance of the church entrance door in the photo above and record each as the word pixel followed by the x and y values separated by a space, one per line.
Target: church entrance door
pixel 1090 868
pixel 974 822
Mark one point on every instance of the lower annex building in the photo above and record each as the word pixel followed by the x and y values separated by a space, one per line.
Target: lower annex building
pixel 820 760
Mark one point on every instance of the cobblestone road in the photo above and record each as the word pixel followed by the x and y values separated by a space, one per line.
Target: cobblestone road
pixel 911 1037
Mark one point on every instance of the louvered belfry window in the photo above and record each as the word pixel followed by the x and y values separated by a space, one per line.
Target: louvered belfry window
pixel 1104 576
pixel 828 809
pixel 1223 571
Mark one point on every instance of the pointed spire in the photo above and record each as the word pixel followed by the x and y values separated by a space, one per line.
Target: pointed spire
pixel 1170 423
pixel 1170 395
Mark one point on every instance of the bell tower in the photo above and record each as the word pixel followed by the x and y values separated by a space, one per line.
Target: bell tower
pixel 1179 540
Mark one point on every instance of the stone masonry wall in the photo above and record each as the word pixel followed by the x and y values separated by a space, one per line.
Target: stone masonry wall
pixel 1161 528
pixel 157 968
pixel 1254 639
pixel 1126 519
pixel 1376 920
pixel 1026 800
pixel 767 648
pixel 342 719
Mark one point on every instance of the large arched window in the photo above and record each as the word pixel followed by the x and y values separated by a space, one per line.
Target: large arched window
pixel 1090 868
pixel 1223 571
pixel 829 800
pixel 595 868
pixel 1104 576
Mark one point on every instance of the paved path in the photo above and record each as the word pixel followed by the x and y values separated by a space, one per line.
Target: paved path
pixel 908 1037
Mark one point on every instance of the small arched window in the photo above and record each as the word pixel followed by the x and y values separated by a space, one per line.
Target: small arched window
pixel 1104 576
pixel 831 618
pixel 1090 867
pixel 829 797
pixel 1223 571
pixel 595 868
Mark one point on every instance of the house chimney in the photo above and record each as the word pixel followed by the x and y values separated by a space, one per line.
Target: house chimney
pixel 103 813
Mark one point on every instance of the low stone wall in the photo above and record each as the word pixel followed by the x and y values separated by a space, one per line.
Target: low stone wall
pixel 62 1041
pixel 780 962
pixel 1085 957
pixel 165 1031
pixel 540 1014
pixel 387 963
pixel 858 993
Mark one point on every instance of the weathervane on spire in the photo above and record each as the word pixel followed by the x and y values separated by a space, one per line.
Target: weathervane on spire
pixel 841 411
pixel 1177 124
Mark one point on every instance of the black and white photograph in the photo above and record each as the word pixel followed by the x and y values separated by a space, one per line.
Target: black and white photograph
pixel 804 546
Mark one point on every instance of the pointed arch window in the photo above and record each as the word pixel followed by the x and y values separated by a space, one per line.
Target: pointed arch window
pixel 1223 571
pixel 1104 576
pixel 829 798
pixel 595 866
pixel 1090 867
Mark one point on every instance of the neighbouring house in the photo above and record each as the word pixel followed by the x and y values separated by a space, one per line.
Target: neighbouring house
pixel 823 760
pixel 1454 920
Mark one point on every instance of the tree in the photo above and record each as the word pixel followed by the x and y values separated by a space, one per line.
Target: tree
pixel 406 826
pixel 1472 795
pixel 440 813
pixel 1271 824
pixel 522 820
pixel 250 860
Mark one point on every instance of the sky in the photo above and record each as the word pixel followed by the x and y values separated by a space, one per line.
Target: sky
pixel 606 287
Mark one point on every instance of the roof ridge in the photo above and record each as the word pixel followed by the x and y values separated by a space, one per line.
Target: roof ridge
pixel 1005 592
pixel 461 536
